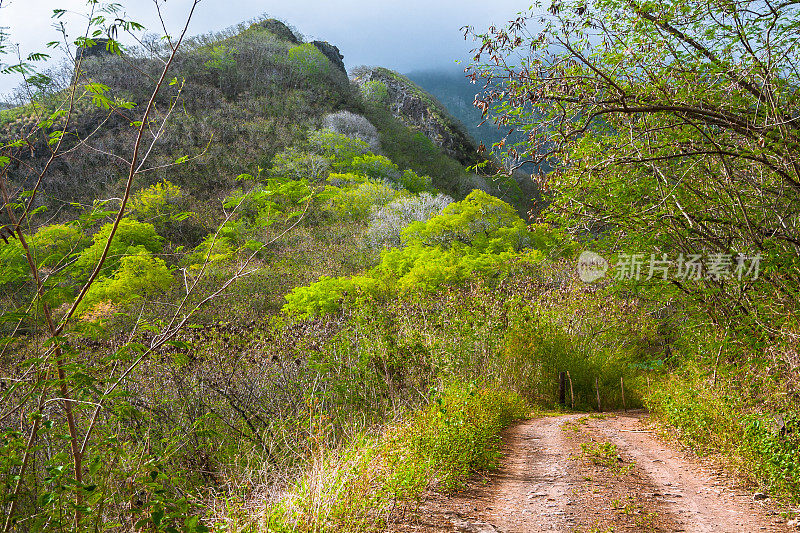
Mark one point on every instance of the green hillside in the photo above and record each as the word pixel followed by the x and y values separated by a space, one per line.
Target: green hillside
pixel 241 291
pixel 254 291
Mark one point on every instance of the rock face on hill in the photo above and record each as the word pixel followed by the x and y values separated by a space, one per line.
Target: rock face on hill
pixel 419 111
pixel 279 30
pixel 285 33
pixel 332 53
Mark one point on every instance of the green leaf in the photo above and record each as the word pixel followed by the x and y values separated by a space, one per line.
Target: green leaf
pixel 180 345
pixel 37 56
pixel 94 467
pixel 157 516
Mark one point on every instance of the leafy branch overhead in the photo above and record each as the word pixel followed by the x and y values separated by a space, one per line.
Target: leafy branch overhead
pixel 674 124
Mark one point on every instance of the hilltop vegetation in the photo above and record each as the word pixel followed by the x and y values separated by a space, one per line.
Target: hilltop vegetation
pixel 293 309
pixel 242 292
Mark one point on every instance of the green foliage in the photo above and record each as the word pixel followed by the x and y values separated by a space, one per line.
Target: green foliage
pixel 761 445
pixel 439 447
pixel 481 235
pixel 376 167
pixel 310 62
pixel 276 202
pixel 50 246
pixel 326 295
pixel 375 91
pixel 297 164
pixel 216 249
pixel 277 199
pixel 774 448
pixel 159 205
pixel 132 238
pixel 355 202
pixel 458 434
pixel 414 183
pixel 656 166
pixel 139 274
pixel 221 58
pixel 340 148
pixel 480 221
pixel 413 150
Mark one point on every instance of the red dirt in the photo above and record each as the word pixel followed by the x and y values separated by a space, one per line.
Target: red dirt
pixel 548 483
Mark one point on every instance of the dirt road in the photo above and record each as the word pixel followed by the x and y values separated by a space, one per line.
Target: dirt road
pixel 595 474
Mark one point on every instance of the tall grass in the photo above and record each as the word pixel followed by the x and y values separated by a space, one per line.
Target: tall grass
pixel 360 486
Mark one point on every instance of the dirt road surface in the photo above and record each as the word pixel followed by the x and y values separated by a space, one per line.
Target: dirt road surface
pixel 595 474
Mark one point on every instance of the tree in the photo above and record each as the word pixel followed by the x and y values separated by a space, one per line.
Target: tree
pixel 672 125
pixel 62 463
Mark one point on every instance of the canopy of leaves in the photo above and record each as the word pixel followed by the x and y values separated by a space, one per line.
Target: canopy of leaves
pixel 139 274
pixel 481 235
pixel 673 126
pixel 132 238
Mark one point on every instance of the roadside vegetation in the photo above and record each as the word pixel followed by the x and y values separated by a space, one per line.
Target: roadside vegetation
pixel 672 128
pixel 239 294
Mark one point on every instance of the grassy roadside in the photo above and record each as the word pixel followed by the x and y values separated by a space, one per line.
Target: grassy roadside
pixel 359 487
pixel 758 442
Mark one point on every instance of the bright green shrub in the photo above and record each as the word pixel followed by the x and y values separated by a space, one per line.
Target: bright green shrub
pixel 158 204
pixel 338 147
pixel 310 62
pixel 480 221
pixel 131 238
pixel 481 235
pixel 325 296
pixel 139 275
pixel 13 266
pixel 279 200
pixel 426 268
pixel 376 167
pixel 50 247
pixel 217 248
pixel 265 204
pixel 52 244
pixel 221 58
pixel 455 436
pixel 356 202
pixel 414 183
pixel 375 91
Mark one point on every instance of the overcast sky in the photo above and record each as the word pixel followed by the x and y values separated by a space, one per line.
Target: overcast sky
pixel 404 35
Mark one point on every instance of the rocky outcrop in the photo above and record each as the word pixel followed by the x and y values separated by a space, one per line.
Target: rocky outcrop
pixel 279 30
pixel 421 112
pixel 332 53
